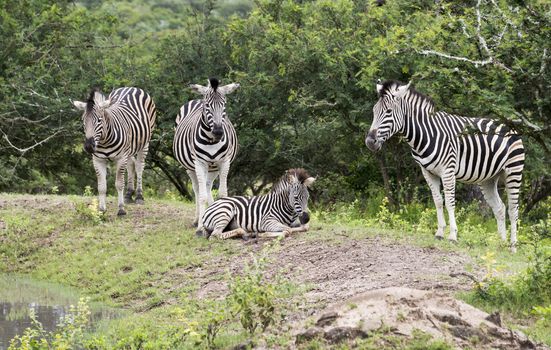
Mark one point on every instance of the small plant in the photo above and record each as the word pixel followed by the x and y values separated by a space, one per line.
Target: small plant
pixel 90 212
pixel 88 191
pixel 69 333
pixel 253 299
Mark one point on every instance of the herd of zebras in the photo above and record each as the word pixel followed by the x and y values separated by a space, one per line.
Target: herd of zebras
pixel 448 148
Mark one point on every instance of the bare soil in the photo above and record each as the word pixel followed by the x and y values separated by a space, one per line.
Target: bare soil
pixel 336 269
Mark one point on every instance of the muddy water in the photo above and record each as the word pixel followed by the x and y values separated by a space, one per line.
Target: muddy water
pixel 50 303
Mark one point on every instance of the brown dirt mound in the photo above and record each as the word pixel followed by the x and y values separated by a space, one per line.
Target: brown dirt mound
pixel 403 310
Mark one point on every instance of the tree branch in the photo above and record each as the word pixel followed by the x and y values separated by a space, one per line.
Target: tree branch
pixel 25 150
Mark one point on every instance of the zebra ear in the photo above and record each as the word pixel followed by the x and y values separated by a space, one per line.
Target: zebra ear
pixel 309 181
pixel 200 89
pixel 228 89
pixel 401 90
pixel 79 105
pixel 379 86
pixel 104 104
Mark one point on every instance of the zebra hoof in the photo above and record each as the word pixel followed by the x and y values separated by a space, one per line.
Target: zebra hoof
pixel 452 240
pixel 139 199
pixel 439 238
pixel 128 200
pixel 121 212
pixel 203 233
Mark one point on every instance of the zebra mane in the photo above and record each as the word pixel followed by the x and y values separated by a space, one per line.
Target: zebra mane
pixel 214 83
pixel 91 98
pixel 390 86
pixel 283 182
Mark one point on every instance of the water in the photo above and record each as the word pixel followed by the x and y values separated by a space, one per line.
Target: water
pixel 50 303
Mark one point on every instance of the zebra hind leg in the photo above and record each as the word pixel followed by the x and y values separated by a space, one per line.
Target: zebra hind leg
pixel 119 184
pixel 512 186
pixel 489 189
pixel 139 164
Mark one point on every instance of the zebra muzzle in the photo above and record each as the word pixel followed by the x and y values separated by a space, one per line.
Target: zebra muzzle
pixel 90 145
pixel 372 143
pixel 304 218
pixel 218 132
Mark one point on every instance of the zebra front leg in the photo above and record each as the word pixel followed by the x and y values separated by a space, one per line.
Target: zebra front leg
pixel 210 181
pixel 238 232
pixel 100 165
pixel 139 163
pixel 224 169
pixel 272 229
pixel 193 179
pixel 201 172
pixel 489 189
pixel 119 184
pixel 131 174
pixel 434 184
pixel 448 181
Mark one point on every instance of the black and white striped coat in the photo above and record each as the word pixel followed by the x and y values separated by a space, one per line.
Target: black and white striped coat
pixel 449 148
pixel 270 215
pixel 205 141
pixel 118 128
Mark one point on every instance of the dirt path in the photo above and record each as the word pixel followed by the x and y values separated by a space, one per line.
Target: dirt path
pixel 333 270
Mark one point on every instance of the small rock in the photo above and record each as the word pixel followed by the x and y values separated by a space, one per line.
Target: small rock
pixel 249 344
pixel 308 335
pixel 495 318
pixel 327 319
pixel 450 319
pixel 468 333
pixel 339 334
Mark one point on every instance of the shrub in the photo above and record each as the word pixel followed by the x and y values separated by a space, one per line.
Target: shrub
pixel 69 333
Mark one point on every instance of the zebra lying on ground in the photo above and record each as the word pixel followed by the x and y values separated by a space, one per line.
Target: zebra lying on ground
pixel 449 148
pixel 205 142
pixel 118 129
pixel 270 215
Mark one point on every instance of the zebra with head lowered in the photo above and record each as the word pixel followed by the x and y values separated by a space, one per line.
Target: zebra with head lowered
pixel 451 148
pixel 118 128
pixel 270 215
pixel 205 142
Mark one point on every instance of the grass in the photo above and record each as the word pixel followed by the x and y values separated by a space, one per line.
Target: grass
pixel 149 261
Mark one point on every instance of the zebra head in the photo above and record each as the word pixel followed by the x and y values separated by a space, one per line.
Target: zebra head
pixel 388 113
pixel 214 105
pixel 93 118
pixel 298 181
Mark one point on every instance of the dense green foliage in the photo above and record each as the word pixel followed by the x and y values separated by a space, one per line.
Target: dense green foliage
pixel 307 71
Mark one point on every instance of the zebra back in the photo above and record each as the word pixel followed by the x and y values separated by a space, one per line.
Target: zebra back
pixel 130 120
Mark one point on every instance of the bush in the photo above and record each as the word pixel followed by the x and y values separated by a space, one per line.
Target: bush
pixel 69 333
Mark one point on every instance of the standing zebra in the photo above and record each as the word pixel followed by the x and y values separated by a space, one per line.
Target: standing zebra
pixel 118 128
pixel 270 215
pixel 449 148
pixel 205 142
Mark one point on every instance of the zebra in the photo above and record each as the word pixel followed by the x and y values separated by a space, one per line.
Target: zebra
pixel 118 128
pixel 452 148
pixel 205 142
pixel 270 215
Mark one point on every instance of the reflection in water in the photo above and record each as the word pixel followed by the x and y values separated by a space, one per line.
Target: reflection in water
pixel 49 302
